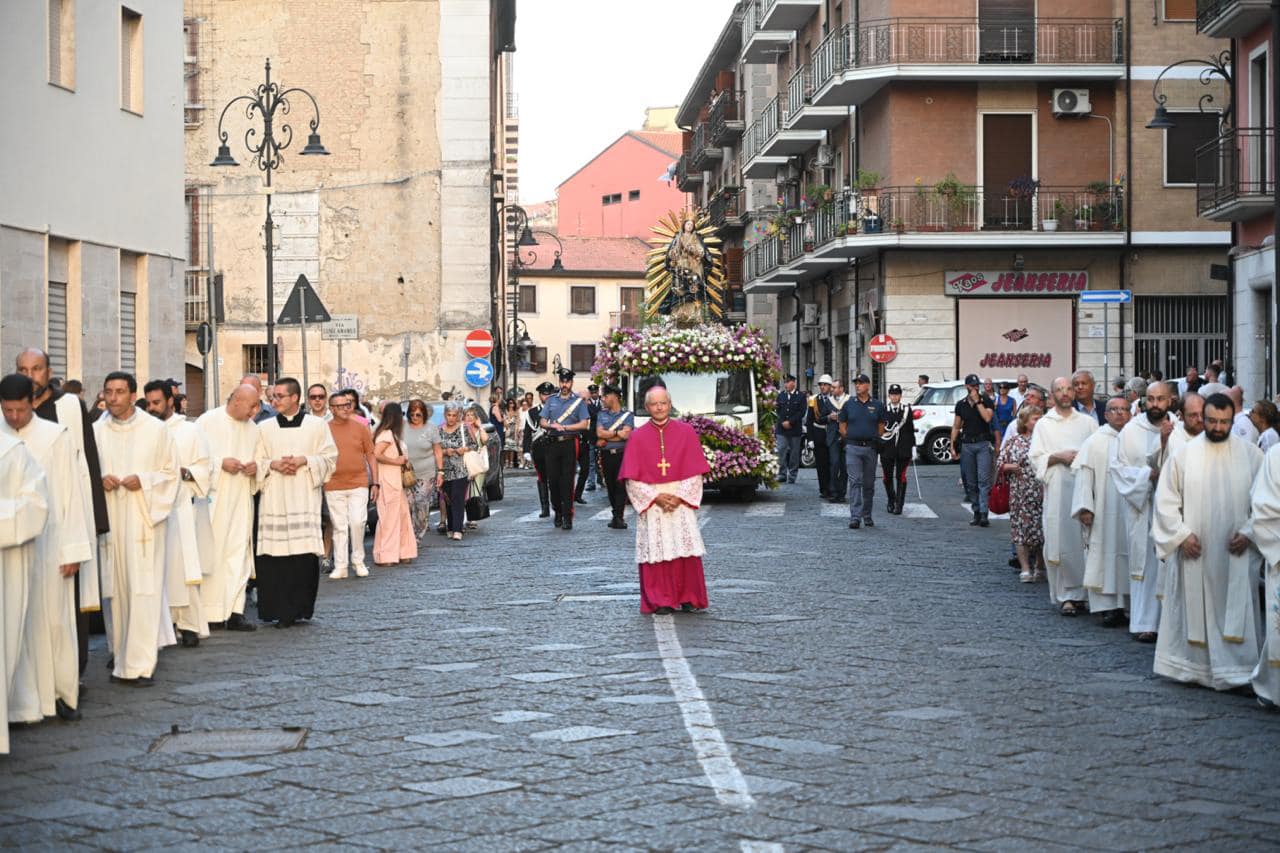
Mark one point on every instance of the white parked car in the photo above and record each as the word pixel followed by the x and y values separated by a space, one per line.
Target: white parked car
pixel 935 411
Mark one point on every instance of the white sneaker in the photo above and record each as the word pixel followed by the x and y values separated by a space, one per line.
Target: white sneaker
pixel 337 574
pixel 362 572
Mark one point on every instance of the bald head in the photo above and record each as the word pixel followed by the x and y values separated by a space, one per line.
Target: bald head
pixel 243 402
pixel 657 403
pixel 34 364
pixel 1193 413
pixel 1236 393
pixel 1063 394
pixel 1159 401
pixel 253 380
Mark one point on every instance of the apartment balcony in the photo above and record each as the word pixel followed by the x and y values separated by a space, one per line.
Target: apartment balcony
pixel 1234 177
pixel 774 142
pixel 195 306
pixel 801 245
pixel 788 14
pixel 761 44
pixel 854 62
pixel 1231 18
pixel 688 179
pixel 704 154
pixel 798 109
pixel 726 119
pixel 728 209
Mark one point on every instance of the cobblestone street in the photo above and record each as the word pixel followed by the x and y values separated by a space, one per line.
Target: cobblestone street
pixel 875 689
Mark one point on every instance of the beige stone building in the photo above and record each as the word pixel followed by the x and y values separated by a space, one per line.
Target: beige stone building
pixel 393 228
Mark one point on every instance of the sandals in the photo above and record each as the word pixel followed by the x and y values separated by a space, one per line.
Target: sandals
pixel 457 537
pixel 1145 637
pixel 1025 577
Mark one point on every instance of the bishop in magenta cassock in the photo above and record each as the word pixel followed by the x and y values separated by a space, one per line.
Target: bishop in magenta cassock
pixel 662 469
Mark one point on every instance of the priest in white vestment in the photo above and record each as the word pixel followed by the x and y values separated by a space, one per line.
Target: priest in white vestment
pixel 1190 425
pixel 1264 530
pixel 183 552
pixel 298 457
pixel 663 467
pixel 1142 451
pixel 140 476
pixel 1057 439
pixel 1210 631
pixel 47 680
pixel 1099 507
pixel 24 512
pixel 234 446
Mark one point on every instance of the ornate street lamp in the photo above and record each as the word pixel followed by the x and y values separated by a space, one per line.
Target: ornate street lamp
pixel 1218 66
pixel 265 102
pixel 518 342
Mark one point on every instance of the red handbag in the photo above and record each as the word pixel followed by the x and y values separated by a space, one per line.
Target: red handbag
pixel 998 497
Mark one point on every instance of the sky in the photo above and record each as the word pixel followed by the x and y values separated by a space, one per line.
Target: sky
pixel 586 69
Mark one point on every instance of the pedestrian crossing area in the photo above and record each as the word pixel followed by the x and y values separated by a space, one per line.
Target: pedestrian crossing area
pixel 756 509
pixel 908 511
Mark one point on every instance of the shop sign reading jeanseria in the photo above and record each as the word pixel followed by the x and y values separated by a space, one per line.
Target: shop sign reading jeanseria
pixel 996 283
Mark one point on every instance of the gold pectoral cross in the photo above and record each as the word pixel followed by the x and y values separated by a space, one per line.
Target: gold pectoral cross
pixel 664 465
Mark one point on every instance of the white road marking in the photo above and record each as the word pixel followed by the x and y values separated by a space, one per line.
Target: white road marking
pixel 991 515
pixel 709 745
pixel 835 510
pixel 533 516
pixel 766 509
pixel 917 511
pixel 760 847
pixel 704 515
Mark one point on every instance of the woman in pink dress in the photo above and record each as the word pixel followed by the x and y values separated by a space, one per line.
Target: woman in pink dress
pixel 394 541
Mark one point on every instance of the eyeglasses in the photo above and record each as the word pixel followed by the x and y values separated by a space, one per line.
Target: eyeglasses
pixel 315 397
pixel 340 406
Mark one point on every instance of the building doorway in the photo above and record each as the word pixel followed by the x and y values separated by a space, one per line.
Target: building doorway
pixel 1173 333
pixel 1008 145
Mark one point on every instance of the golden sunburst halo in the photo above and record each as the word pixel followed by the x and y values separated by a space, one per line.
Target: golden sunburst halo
pixel 659 278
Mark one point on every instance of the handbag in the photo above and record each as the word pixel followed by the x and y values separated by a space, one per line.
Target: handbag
pixel 408 477
pixel 477 504
pixel 998 497
pixel 476 462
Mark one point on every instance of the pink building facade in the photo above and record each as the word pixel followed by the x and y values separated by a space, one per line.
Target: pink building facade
pixel 623 190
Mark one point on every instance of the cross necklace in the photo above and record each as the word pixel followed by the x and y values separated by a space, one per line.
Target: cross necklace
pixel 662 449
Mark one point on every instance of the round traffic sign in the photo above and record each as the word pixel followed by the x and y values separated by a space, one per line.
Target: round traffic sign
pixel 479 343
pixel 204 338
pixel 882 349
pixel 478 373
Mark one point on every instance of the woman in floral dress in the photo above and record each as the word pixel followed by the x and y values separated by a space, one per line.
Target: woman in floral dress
pixel 1026 497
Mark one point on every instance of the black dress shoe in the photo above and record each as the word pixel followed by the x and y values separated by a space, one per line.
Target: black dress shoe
pixel 285 623
pixel 189 639
pixel 579 500
pixel 544 514
pixel 65 711
pixel 237 622
pixel 1114 619
pixel 217 626
pixel 663 611
pixel 111 662
pixel 617 524
pixel 559 521
pixel 568 524
pixel 977 519
pixel 984 521
pixel 140 681
pixel 837 500
pixel 855 524
pixel 868 521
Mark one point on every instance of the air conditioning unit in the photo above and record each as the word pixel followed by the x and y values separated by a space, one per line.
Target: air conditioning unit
pixel 1071 102
pixel 810 314
pixel 824 157
pixel 788 173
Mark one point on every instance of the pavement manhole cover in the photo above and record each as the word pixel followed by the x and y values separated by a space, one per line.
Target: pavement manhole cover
pixel 232 742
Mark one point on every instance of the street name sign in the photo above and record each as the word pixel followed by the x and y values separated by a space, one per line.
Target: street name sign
pixel 478 373
pixel 341 327
pixel 479 343
pixel 1106 296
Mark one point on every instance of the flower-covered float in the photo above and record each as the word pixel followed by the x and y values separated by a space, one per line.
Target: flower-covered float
pixel 723 380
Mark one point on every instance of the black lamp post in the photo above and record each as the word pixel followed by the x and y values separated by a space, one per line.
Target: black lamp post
pixel 518 338
pixel 1218 66
pixel 265 101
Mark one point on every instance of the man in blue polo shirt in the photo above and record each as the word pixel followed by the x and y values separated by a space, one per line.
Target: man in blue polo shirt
pixel 861 425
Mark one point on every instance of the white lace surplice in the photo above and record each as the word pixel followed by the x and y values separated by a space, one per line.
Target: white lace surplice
pixel 662 536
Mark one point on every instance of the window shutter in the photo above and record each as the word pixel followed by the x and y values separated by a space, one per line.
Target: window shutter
pixel 57 343
pixel 1179 10
pixel 55 41
pixel 129 332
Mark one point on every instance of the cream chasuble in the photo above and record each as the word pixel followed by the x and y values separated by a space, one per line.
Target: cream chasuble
pixel 24 514
pixel 1209 630
pixel 1063 539
pixel 1264 530
pixel 228 563
pixel 140 446
pixel 49 664
pixel 1106 571
pixel 71 416
pixel 289 509
pixel 1138 453
pixel 183 554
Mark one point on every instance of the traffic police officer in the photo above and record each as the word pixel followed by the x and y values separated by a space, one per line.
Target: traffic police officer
pixel 565 418
pixel 613 428
pixel 861 425
pixel 538 448
pixel 896 446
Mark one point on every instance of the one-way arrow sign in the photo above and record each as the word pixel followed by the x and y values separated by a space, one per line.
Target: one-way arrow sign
pixel 303 296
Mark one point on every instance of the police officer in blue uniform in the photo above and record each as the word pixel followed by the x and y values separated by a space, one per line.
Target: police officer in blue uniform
pixel 538 448
pixel 613 428
pixel 862 421
pixel 587 448
pixel 566 419
pixel 790 429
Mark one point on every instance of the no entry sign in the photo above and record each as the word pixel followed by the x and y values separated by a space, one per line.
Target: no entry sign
pixel 882 349
pixel 479 343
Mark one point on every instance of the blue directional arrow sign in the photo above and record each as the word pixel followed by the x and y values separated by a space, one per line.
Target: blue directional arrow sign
pixel 479 372
pixel 1106 296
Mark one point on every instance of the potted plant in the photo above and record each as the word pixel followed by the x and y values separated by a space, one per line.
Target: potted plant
pixel 1084 216
pixel 1050 223
pixel 1023 187
pixel 868 181
pixel 899 226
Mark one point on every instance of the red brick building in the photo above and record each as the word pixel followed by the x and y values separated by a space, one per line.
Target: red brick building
pixel 623 190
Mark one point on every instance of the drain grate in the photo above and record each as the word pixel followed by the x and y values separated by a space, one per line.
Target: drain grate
pixel 231 743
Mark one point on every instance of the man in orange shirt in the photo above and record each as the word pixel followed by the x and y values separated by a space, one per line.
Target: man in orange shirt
pixel 347 492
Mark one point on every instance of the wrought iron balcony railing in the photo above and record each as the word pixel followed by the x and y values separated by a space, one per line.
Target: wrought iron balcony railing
pixel 726 123
pixel 727 208
pixel 1235 170
pixel 687 178
pixel 765 127
pixel 799 89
